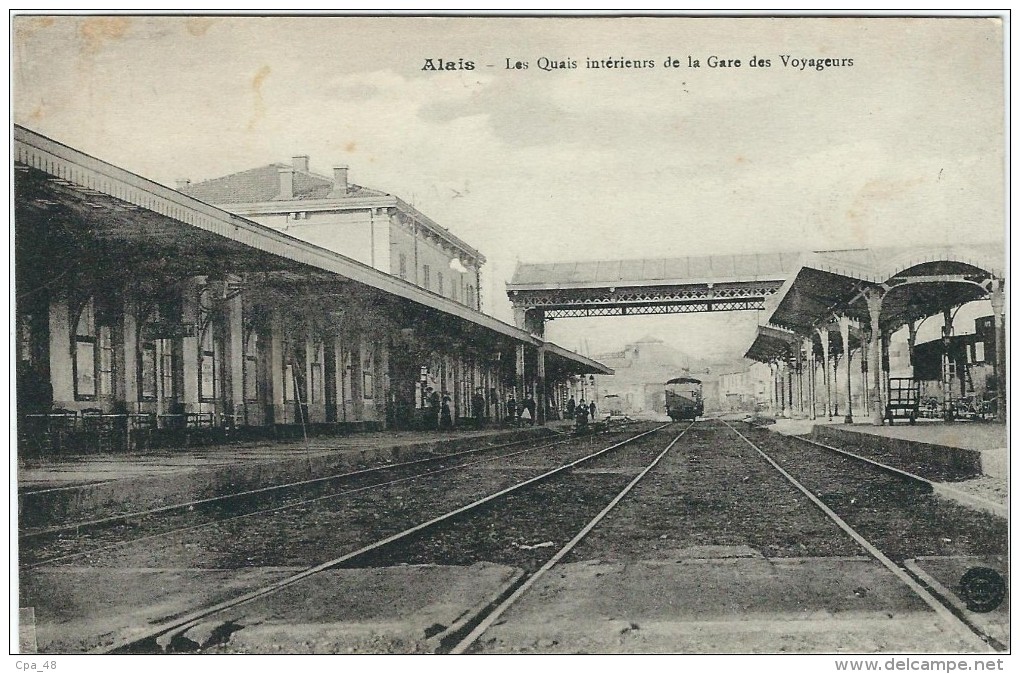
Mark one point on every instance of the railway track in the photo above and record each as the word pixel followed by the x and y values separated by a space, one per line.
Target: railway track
pixel 95 537
pixel 956 623
pixel 536 523
pixel 407 543
pixel 951 616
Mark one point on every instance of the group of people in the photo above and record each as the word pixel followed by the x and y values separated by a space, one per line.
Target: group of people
pixel 580 412
pixel 523 414
pixel 439 411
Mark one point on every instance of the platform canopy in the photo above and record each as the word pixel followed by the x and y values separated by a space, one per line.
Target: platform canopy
pixel 82 224
pixel 771 344
pixel 913 283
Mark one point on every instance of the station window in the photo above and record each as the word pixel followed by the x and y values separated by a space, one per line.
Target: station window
pixel 368 372
pixel 93 354
pixel 168 358
pixel 317 394
pixel 85 353
pixel 403 266
pixel 288 371
pixel 158 352
pixel 148 370
pixel 105 364
pixel 346 365
pixel 208 352
pixel 251 367
pixel 439 282
pixel 426 274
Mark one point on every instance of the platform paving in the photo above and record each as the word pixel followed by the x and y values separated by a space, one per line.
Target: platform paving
pixel 980 436
pixel 404 609
pixel 981 445
pixel 724 603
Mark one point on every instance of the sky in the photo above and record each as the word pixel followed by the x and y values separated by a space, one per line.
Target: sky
pixel 905 146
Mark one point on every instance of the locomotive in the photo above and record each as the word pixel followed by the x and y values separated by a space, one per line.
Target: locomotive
pixel 684 399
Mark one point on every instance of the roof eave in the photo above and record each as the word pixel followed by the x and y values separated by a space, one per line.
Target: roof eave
pixel 439 231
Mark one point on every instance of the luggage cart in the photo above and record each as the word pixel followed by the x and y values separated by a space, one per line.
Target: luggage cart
pixel 904 399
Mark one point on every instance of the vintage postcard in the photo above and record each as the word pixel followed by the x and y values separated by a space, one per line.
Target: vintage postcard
pixel 606 334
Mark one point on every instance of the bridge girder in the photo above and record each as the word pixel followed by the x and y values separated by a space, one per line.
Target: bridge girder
pixel 660 299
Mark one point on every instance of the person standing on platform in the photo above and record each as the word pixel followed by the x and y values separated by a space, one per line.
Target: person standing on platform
pixel 591 410
pixel 433 408
pixel 526 418
pixel 530 408
pixel 581 416
pixel 571 406
pixel 478 407
pixel 511 410
pixel 446 414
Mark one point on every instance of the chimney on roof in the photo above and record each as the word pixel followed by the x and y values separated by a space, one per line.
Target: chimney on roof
pixel 300 163
pixel 340 185
pixel 286 183
pixel 183 183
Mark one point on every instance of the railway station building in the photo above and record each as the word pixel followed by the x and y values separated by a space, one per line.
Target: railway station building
pixel 367 225
pixel 144 314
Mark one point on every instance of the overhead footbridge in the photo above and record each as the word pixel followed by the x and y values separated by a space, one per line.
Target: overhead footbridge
pixel 677 285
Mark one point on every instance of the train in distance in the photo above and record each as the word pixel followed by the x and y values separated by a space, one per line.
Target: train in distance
pixel 684 398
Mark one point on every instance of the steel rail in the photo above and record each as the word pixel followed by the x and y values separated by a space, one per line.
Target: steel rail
pixel 295 504
pixel 489 619
pixel 961 627
pixel 184 622
pixel 77 526
pixel 973 499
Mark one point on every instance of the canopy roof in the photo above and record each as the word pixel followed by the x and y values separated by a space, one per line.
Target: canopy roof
pixel 914 283
pixel 79 220
pixel 683 380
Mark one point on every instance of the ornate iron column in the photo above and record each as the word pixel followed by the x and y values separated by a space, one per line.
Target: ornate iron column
pixel 823 335
pixel 873 296
pixel 997 296
pixel 844 333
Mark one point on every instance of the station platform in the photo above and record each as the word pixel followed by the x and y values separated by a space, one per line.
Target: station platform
pixel 53 491
pixel 961 449
pixel 967 461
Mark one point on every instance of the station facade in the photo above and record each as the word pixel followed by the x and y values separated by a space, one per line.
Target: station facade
pixel 142 309
pixel 365 224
